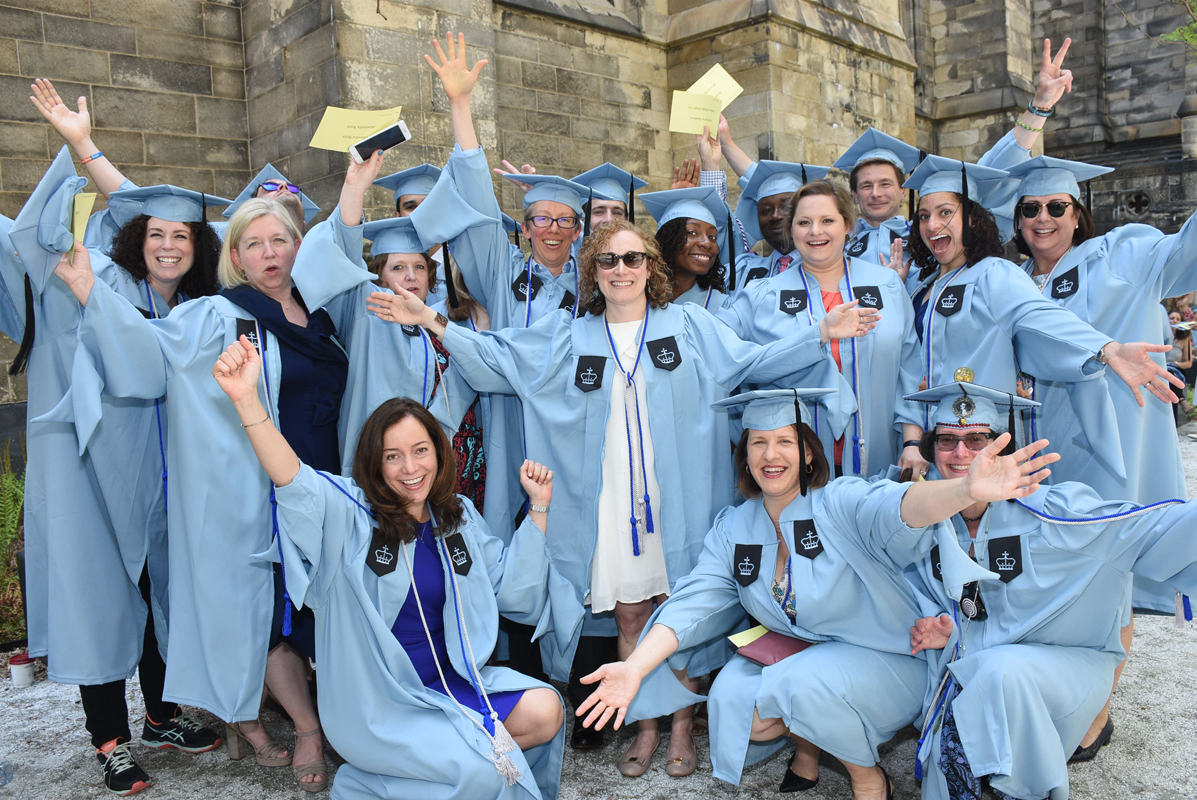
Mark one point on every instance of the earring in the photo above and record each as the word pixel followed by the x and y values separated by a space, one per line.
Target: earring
pixel 244 277
pixel 810 468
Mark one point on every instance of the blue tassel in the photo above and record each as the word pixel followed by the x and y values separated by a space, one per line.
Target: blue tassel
pixel 1188 609
pixel 648 510
pixel 635 539
pixel 918 768
pixel 489 723
pixel 856 455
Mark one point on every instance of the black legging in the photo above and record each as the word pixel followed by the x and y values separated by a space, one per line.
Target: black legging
pixel 104 704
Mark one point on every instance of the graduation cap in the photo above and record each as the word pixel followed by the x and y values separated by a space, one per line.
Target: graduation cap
pixel 417 180
pixel 701 203
pixel 393 235
pixel 164 201
pixel 1044 175
pixel 961 404
pixel 41 232
pixel 972 182
pixel 268 173
pixel 769 178
pixel 552 187
pixel 609 182
pixel 770 409
pixel 873 145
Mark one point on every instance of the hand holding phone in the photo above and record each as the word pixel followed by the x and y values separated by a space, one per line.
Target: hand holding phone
pixel 385 139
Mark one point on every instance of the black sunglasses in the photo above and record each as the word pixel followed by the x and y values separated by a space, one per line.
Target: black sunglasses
pixel 632 259
pixel 947 442
pixel 1056 208
pixel 274 186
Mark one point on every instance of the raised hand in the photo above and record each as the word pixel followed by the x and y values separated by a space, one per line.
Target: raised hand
pixel 686 176
pixel 930 633
pixel 1053 80
pixel 402 307
pixel 74 269
pixel 237 369
pixel 358 179
pixel 897 259
pixel 993 477
pixel 74 126
pixel 710 151
pixel 1132 363
pixel 509 169
pixel 847 321
pixel 537 482
pixel 617 685
pixel 457 79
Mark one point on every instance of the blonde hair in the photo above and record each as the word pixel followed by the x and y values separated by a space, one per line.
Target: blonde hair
pixel 228 273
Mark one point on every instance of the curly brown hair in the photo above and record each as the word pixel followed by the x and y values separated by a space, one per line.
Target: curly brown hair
pixel 659 288
pixel 671 238
pixel 986 241
pixel 390 509
pixel 820 469
pixel 1085 228
pixel 128 252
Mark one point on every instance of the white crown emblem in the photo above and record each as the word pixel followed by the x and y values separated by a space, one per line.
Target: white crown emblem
pixel 747 567
pixel 523 288
pixel 459 556
pixel 384 556
pixel 589 376
pixel 810 541
pixel 868 299
pixel 666 356
pixel 1065 286
pixel 1005 563
pixel 949 301
pixel 793 302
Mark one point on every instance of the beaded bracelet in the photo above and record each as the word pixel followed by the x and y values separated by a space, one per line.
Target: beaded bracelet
pixel 1022 124
pixel 1039 112
pixel 92 157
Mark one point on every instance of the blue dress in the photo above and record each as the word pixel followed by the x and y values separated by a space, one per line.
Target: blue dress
pixel 409 629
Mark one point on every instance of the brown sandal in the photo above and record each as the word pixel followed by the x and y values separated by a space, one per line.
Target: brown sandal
pixel 239 746
pixel 318 767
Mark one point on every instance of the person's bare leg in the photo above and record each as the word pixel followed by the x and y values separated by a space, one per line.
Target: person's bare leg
pixel 536 718
pixel 286 675
pixel 1127 635
pixel 631 619
pixel 868 783
pixel 681 734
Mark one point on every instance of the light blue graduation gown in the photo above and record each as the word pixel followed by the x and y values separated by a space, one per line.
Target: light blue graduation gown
pixel 872 244
pixel 889 362
pixel 221 553
pixel 401 739
pixel 711 299
pixel 752 267
pixel 93 518
pixel 565 419
pixel 859 685
pixel 103 225
pixel 991 318
pixel 1036 673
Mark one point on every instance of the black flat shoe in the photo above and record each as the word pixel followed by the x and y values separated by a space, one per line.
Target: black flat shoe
pixel 889 785
pixel 1089 753
pixel 583 738
pixel 793 782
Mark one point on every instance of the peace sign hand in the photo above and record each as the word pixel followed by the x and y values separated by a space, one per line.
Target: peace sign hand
pixel 1053 80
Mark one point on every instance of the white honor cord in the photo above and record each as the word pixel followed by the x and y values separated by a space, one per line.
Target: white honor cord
pixel 501 742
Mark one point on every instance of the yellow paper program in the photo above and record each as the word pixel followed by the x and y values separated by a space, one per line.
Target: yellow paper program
pixel 691 111
pixel 718 83
pixel 341 127
pixel 84 202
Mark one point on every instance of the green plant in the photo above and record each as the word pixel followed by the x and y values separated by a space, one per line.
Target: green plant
pixel 12 500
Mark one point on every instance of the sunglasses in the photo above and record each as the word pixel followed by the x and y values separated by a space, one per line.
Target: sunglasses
pixel 1056 208
pixel 946 442
pixel 631 258
pixel 564 223
pixel 274 186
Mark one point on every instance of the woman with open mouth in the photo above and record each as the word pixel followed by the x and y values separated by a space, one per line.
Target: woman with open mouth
pixel 611 395
pixel 95 519
pixel 880 368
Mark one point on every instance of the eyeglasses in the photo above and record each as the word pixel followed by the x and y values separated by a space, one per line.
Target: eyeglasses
pixel 631 258
pixel 274 186
pixel 946 442
pixel 564 223
pixel 1056 208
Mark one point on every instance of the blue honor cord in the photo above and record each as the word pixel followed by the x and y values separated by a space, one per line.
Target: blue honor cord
pixel 628 376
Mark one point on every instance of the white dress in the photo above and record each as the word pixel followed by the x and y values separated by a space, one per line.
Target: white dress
pixel 616 575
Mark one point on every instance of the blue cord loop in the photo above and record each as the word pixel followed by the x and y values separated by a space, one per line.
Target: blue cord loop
pixel 628 376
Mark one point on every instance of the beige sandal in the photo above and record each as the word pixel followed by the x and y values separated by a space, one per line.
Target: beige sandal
pixel 319 767
pixel 267 756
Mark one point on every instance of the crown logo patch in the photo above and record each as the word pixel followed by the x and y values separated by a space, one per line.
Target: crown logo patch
pixel 455 548
pixel 794 304
pixel 589 377
pixel 747 567
pixel 1005 562
pixel 665 353
pixel 459 556
pixel 747 558
pixel 666 356
pixel 1011 563
pixel 806 538
pixel 1065 286
pixel 949 302
pixel 384 556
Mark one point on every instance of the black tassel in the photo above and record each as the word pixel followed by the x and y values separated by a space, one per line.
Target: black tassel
pixel 21 362
pixel 731 255
pixel 1089 196
pixel 454 301
pixel 803 173
pixel 1011 445
pixel 589 211
pixel 967 208
pixel 803 481
pixel 517 236
pixel 631 198
pixel 910 197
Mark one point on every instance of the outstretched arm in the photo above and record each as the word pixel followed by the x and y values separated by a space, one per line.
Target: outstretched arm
pixel 237 371
pixel 75 128
pixel 458 81
pixel 619 681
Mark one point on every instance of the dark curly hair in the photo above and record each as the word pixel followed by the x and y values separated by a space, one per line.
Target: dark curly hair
pixel 985 241
pixel 659 287
pixel 1085 228
pixel 128 253
pixel 671 238
pixel 390 509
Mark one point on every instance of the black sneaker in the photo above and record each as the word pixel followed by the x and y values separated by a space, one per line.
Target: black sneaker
pixel 181 733
pixel 122 775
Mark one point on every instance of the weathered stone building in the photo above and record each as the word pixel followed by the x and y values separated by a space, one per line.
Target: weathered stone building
pixel 202 93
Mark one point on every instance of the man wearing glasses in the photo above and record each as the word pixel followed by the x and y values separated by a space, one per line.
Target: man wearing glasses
pixel 272 183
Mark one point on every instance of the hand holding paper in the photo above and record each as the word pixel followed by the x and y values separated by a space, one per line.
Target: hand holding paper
pixel 341 127
pixel 691 112
pixel 84 202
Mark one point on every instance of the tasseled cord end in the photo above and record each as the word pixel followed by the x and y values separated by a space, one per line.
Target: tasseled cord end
pixel 502 745
pixel 635 538
pixel 1184 610
pixel 282 566
pixel 918 770
pixel 648 513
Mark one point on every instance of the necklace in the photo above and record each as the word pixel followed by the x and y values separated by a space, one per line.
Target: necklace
pixel 972 519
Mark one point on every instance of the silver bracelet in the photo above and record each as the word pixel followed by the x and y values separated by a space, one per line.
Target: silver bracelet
pixel 540 509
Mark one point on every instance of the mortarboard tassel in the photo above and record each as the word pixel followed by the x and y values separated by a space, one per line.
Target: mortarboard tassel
pixel 631 198
pixel 454 300
pixel 910 197
pixel 731 255
pixel 802 472
pixel 804 181
pixel 1089 195
pixel 1011 445
pixel 589 211
pixel 21 362
pixel 967 208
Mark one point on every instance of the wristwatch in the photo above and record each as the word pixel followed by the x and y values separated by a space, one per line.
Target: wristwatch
pixel 910 443
pixel 541 509
pixel 1102 356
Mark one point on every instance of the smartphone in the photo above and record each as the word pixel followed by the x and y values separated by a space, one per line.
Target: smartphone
pixel 385 139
